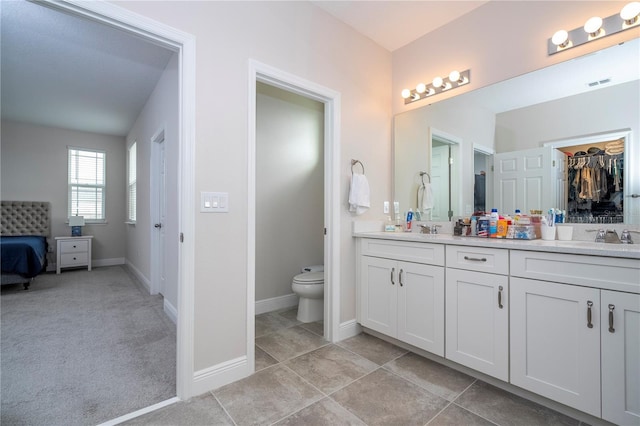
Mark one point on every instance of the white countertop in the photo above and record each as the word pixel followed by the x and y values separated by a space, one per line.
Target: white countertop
pixel 631 251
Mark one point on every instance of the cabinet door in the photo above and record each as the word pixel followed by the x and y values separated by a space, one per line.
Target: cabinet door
pixel 620 326
pixel 477 324
pixel 378 301
pixel 555 342
pixel 421 306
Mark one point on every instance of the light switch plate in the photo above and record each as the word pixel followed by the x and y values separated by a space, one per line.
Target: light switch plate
pixel 386 207
pixel 214 202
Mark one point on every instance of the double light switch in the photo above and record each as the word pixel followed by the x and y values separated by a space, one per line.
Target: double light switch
pixel 214 202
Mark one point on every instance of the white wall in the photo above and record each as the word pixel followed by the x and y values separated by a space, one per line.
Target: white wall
pixel 289 188
pixel 160 112
pixel 497 41
pixel 575 116
pixel 34 168
pixel 299 38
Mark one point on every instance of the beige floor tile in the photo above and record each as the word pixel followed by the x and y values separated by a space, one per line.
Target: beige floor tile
pixel 289 343
pixel 454 415
pixel 272 322
pixel 505 408
pixel 290 314
pixel 372 348
pixel 436 378
pixel 323 413
pixel 263 359
pixel 331 367
pixel 267 396
pixel 382 398
pixel 202 410
pixel 314 327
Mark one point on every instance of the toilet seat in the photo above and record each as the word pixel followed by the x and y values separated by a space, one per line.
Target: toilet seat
pixel 309 278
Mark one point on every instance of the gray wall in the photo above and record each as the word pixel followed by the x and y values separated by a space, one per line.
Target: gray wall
pixel 289 190
pixel 34 168
pixel 160 112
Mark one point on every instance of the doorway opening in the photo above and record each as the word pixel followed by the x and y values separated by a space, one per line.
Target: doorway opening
pixel 261 73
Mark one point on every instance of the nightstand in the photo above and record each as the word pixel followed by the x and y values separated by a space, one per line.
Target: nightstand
pixel 73 252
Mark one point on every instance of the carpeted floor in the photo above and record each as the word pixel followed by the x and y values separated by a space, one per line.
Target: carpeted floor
pixel 82 348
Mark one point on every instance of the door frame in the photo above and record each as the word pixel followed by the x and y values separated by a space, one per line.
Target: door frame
pixel 259 72
pixel 154 212
pixel 184 45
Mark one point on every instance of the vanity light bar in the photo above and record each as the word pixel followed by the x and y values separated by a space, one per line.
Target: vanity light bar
pixel 438 85
pixel 595 28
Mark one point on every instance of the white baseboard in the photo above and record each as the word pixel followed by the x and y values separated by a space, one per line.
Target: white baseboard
pixel 220 375
pixel 139 275
pixel 348 329
pixel 276 303
pixel 95 263
pixel 107 262
pixel 140 412
pixel 171 311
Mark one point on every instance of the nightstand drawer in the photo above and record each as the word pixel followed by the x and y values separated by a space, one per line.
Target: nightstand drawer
pixel 74 246
pixel 74 259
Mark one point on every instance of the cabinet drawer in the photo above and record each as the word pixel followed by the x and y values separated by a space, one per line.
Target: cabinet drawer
pixel 478 259
pixel 431 254
pixel 74 259
pixel 608 273
pixel 74 246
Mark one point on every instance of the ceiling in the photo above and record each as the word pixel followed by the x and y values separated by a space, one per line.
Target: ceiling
pixel 63 71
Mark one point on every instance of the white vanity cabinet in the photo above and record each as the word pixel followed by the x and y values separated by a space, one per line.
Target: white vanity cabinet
pixel 561 346
pixel 620 338
pixel 477 319
pixel 401 291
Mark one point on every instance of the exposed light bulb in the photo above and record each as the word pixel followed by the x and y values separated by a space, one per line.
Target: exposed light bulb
pixel 437 82
pixel 593 26
pixel 560 38
pixel 454 76
pixel 406 93
pixel 421 88
pixel 630 13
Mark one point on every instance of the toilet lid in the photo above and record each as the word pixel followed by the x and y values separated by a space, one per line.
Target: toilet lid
pixel 309 278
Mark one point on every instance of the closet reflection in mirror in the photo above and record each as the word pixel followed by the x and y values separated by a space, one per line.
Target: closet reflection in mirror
pixel 570 103
pixel 595 179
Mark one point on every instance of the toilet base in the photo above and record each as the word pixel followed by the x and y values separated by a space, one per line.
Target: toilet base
pixel 310 310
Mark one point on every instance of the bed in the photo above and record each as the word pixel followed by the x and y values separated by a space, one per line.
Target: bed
pixel 25 227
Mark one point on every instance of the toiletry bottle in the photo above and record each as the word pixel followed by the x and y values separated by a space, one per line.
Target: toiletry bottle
pixel 409 220
pixel 474 226
pixel 516 217
pixel 493 223
pixel 389 225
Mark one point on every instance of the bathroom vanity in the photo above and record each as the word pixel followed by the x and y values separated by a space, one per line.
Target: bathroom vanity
pixel 560 319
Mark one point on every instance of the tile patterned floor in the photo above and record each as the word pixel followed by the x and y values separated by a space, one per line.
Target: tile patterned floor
pixel 301 379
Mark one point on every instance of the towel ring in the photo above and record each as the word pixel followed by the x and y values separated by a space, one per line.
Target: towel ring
pixel 354 162
pixel 422 176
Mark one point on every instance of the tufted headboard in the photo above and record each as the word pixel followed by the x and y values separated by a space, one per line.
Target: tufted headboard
pixel 25 218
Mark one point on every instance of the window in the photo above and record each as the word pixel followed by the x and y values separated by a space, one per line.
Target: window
pixel 87 184
pixel 131 183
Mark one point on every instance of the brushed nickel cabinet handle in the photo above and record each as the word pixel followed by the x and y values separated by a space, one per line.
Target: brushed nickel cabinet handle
pixel 400 278
pixel 476 259
pixel 500 297
pixel 589 305
pixel 611 308
pixel 393 270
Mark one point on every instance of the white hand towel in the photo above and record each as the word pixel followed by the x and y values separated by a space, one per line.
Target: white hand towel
pixel 427 197
pixel 359 201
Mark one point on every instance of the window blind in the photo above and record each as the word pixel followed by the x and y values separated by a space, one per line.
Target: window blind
pixel 87 183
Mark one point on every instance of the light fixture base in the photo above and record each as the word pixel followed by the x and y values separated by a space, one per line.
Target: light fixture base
pixel 431 89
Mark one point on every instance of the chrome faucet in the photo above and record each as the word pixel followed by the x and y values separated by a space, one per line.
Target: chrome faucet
pixel 429 229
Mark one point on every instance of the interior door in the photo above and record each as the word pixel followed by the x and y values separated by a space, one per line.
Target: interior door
pixel 530 179
pixel 158 215
pixel 440 183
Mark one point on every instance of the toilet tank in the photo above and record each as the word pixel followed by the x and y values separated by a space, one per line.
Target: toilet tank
pixel 313 268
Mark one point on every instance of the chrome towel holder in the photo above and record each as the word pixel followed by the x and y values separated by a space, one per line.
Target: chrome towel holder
pixel 354 162
pixel 422 177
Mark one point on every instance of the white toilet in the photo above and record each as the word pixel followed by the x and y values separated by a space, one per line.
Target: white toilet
pixel 309 286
